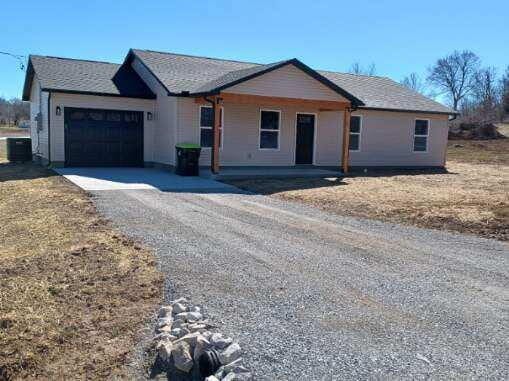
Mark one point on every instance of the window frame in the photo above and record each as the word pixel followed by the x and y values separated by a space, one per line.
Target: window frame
pixel 421 136
pixel 221 129
pixel 361 122
pixel 260 129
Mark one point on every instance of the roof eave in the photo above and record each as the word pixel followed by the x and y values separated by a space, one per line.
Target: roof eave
pixel 64 91
pixel 29 77
pixel 410 110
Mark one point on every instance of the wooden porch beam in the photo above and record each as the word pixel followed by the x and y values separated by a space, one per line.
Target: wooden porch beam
pixel 346 140
pixel 280 101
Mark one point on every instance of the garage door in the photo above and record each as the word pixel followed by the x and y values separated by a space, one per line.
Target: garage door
pixel 103 138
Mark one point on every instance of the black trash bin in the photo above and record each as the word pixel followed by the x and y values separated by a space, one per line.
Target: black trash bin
pixel 19 149
pixel 188 157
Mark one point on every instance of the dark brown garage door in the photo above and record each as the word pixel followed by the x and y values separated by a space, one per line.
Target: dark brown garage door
pixel 103 138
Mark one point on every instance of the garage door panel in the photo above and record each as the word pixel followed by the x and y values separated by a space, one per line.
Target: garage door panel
pixel 103 137
pixel 114 132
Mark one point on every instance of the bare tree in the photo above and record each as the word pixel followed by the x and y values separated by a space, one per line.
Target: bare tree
pixel 504 84
pixel 414 82
pixel 357 68
pixel 485 90
pixel 12 111
pixel 454 75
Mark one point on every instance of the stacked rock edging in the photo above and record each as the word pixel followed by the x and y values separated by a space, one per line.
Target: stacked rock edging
pixel 183 335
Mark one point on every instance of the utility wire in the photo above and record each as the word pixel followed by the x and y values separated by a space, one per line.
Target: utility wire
pixel 19 58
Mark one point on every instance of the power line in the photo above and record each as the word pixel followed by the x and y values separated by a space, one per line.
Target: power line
pixel 18 57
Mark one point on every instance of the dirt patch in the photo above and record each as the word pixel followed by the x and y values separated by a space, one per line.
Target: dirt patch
pixel 472 196
pixel 74 293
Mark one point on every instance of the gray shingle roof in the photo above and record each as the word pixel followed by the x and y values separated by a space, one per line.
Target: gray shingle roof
pixel 182 73
pixel 197 75
pixel 384 93
pixel 234 76
pixel 70 75
pixel 200 74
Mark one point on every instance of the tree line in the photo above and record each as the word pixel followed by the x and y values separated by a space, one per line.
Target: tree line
pixel 13 111
pixel 479 93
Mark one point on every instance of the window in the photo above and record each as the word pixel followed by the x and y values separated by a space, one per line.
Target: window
pixel 113 116
pixel 207 124
pixel 421 130
pixel 355 133
pixel 132 117
pixel 269 129
pixel 96 115
pixel 77 115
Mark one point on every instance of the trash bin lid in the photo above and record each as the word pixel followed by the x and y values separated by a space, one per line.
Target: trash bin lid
pixel 188 145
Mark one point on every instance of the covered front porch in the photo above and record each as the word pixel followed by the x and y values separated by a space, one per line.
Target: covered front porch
pixel 312 127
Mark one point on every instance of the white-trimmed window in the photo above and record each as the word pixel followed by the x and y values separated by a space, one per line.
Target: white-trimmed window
pixel 270 125
pixel 421 133
pixel 355 133
pixel 207 125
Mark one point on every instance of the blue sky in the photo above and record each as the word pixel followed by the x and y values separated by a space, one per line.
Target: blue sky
pixel 400 37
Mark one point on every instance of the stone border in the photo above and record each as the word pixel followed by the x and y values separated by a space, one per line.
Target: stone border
pixel 183 335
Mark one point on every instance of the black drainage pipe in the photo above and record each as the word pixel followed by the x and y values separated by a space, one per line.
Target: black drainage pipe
pixel 209 362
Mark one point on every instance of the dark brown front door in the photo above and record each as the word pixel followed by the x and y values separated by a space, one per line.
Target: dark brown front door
pixel 305 139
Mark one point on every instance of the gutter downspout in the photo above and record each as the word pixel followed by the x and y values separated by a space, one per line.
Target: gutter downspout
pixel 49 129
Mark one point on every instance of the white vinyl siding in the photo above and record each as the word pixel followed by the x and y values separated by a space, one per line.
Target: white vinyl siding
pixel 39 105
pixel 288 82
pixel 388 139
pixel 164 135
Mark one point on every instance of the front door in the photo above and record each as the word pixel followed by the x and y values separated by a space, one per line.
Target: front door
pixel 305 139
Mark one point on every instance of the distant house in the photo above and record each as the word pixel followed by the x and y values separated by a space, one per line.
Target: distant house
pixel 24 124
pixel 282 114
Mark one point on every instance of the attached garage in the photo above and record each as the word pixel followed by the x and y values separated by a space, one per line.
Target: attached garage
pixel 103 138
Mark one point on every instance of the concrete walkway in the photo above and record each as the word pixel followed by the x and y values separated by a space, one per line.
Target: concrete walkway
pixel 97 179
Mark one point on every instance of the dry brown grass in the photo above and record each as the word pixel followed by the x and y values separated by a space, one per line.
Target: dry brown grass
pixel 503 128
pixel 6 131
pixel 493 152
pixel 471 197
pixel 3 150
pixel 73 292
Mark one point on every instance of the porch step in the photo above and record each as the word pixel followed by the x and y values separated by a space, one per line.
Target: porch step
pixel 270 173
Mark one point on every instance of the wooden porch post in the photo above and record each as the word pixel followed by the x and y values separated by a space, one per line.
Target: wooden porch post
pixel 214 165
pixel 346 140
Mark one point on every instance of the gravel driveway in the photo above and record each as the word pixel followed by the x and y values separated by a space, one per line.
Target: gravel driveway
pixel 312 296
